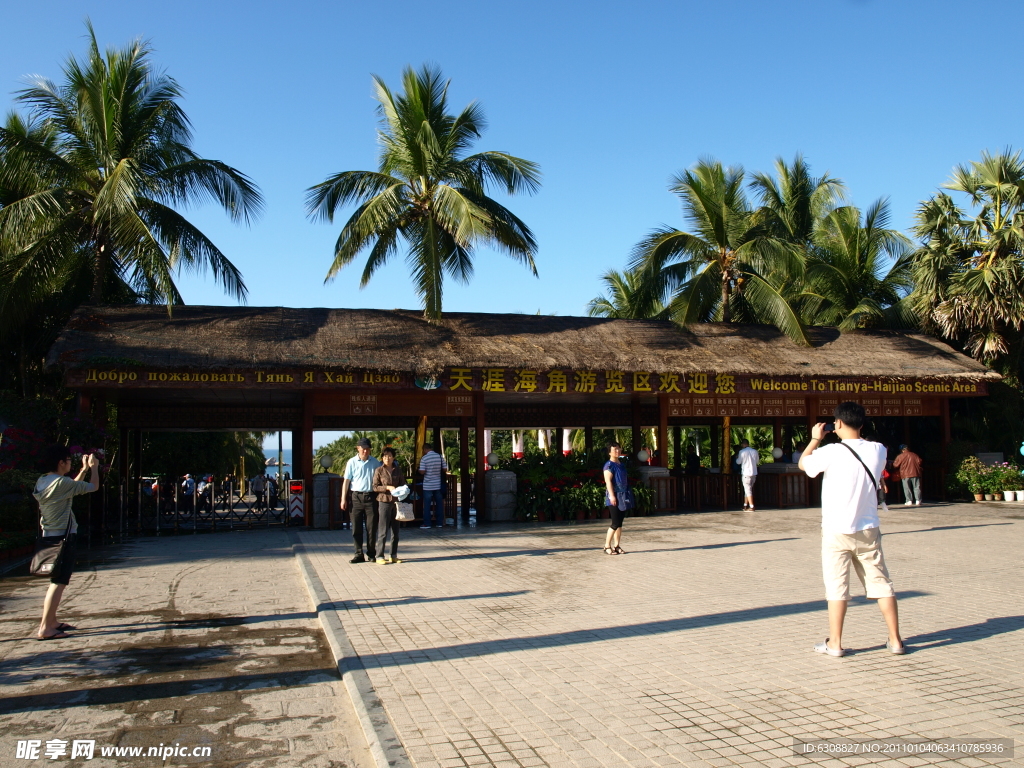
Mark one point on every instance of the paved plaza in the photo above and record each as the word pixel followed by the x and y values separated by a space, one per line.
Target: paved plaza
pixel 527 646
pixel 201 641
pixel 524 645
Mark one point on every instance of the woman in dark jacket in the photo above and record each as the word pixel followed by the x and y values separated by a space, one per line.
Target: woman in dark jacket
pixel 386 479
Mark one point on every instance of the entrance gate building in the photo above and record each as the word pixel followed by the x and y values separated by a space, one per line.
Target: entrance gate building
pixel 268 369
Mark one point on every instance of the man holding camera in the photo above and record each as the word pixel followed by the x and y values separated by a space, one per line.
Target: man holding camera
pixel 850 535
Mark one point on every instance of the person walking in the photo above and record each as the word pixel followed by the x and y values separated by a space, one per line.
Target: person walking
pixel 617 498
pixel 359 480
pixel 258 486
pixel 188 490
pixel 386 479
pixel 748 459
pixel 431 466
pixel 692 462
pixel 54 492
pixel 850 535
pixel 908 464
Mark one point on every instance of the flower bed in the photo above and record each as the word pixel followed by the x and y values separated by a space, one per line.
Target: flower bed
pixel 566 488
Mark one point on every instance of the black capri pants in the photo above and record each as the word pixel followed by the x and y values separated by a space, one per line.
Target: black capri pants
pixel 618 515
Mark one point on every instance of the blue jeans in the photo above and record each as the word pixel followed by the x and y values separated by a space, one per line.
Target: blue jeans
pixel 912 489
pixel 429 499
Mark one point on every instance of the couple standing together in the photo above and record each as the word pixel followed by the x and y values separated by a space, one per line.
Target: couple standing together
pixel 373 484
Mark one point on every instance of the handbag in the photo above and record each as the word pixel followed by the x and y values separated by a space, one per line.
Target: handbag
pixel 49 549
pixel 404 512
pixel 879 493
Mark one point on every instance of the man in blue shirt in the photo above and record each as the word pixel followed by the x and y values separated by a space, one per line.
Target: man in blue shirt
pixel 359 480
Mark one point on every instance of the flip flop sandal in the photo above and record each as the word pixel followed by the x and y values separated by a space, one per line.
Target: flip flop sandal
pixel 619 551
pixel 55 636
pixel 62 627
pixel 610 551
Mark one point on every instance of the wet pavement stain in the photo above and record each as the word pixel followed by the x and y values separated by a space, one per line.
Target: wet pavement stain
pixel 259 686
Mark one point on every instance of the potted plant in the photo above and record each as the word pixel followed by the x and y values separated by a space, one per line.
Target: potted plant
pixel 990 483
pixel 971 473
pixel 1009 478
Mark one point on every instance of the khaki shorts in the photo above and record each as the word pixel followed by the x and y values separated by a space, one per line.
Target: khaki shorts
pixel 748 485
pixel 863 550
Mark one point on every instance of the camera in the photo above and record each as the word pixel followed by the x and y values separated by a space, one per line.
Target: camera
pixel 830 427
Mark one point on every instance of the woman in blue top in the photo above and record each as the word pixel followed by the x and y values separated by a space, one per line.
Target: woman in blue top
pixel 616 498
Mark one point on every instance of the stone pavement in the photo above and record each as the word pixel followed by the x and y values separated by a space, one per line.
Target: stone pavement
pixel 526 646
pixel 202 641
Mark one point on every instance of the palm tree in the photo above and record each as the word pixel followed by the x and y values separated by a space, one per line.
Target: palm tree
pixel 793 202
pixel 427 192
pixel 100 166
pixel 722 267
pixel 969 271
pixel 858 272
pixel 627 298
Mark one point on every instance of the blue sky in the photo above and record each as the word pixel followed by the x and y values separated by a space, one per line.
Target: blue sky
pixel 611 99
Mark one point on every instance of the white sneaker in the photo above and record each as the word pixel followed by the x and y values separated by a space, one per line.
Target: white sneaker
pixel 909 504
pixel 917 503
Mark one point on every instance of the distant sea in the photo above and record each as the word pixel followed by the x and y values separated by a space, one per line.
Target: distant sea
pixel 271 453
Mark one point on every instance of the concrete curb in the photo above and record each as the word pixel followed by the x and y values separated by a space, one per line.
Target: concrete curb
pixel 385 746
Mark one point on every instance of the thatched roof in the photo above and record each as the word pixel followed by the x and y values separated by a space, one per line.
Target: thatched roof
pixel 401 341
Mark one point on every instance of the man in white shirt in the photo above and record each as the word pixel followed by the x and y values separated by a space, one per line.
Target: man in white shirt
pixel 748 459
pixel 850 533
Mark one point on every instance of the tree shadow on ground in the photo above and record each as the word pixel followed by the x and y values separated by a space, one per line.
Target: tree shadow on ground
pixel 944 528
pixel 967 633
pixel 582 636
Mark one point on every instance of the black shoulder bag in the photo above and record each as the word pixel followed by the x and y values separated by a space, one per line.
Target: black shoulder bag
pixel 48 552
pixel 879 493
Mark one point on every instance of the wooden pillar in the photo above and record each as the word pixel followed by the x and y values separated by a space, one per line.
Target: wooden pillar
pixel 663 430
pixel 716 455
pixel 421 442
pixel 777 436
pixel 559 440
pixel 726 445
pixel 83 405
pixel 947 436
pixel 637 434
pixel 677 447
pixel 480 498
pixel 122 459
pixel 99 412
pixel 137 455
pixel 464 467
pixel 906 430
pixel 588 441
pixel 437 440
pixel 136 471
pixel 302 454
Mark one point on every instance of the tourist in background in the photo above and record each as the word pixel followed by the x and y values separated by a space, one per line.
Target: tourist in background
pixel 692 461
pixel 387 478
pixel 432 465
pixel 618 498
pixel 748 458
pixel 54 492
pixel 909 465
pixel 258 486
